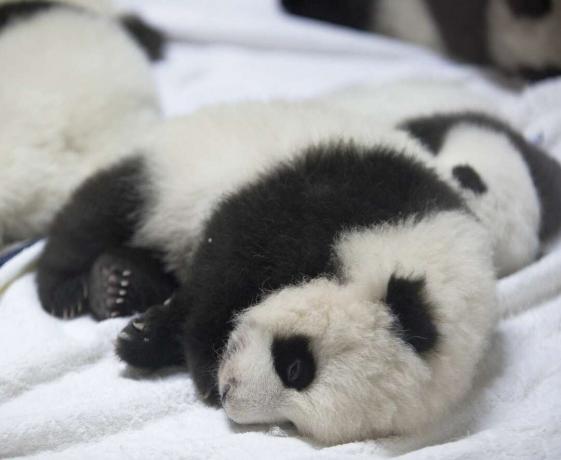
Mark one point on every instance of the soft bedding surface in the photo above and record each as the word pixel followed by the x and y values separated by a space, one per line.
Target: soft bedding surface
pixel 63 393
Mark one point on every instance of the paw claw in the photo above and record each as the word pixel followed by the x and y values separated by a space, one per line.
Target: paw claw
pixel 124 283
pixel 122 292
pixel 138 324
pixel 123 335
pixel 126 273
pixel 114 314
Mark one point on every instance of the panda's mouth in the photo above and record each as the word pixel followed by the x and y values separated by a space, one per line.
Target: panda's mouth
pixel 224 393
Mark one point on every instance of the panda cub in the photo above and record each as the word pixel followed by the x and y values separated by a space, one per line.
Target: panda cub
pixel 329 272
pixel 517 36
pixel 75 92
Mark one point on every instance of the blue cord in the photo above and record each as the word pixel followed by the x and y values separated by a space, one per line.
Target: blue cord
pixel 14 250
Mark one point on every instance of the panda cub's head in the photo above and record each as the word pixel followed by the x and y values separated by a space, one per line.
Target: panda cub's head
pixel 335 360
pixel 304 355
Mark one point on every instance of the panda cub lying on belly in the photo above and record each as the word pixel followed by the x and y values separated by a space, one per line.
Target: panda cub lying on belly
pixel 305 265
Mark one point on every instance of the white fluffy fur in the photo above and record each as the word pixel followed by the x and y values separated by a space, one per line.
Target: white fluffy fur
pixel 368 382
pixel 390 104
pixel 524 42
pixel 75 94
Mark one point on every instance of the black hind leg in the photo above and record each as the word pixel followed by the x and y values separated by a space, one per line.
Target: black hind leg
pixel 102 214
pixel 153 339
pixel 127 280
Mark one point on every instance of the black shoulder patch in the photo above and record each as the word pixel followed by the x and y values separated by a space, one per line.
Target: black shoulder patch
pixel 355 13
pixel 414 324
pixel 23 10
pixel 469 179
pixel 429 131
pixel 294 361
pixel 150 39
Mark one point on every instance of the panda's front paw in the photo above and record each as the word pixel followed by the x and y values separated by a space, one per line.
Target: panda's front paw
pixel 148 342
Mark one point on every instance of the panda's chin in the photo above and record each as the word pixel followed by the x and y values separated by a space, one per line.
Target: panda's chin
pixel 243 416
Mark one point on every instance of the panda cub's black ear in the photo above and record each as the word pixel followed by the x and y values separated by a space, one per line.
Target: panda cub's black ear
pixel 413 322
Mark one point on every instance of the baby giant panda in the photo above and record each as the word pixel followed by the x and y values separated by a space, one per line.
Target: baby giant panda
pixel 516 36
pixel 329 273
pixel 75 92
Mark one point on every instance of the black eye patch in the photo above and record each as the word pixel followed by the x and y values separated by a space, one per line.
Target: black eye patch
pixel 468 178
pixel 294 361
pixel 407 302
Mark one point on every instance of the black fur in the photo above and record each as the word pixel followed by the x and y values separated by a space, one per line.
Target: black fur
pixel 469 179
pixel 281 230
pixel 101 215
pixel 544 170
pixel 152 341
pixel 537 74
pixel 354 13
pixel 294 361
pixel 412 313
pixel 151 40
pixel 462 25
pixel 10 12
pixel 533 9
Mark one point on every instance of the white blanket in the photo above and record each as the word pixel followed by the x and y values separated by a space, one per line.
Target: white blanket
pixel 63 393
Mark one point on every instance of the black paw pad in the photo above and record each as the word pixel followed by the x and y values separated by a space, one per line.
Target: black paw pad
pixel 127 281
pixel 147 341
pixel 110 291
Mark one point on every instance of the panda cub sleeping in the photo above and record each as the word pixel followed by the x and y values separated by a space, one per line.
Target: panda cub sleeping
pixel 329 272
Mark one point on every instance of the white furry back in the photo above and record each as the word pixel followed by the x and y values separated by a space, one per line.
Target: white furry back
pixel 75 95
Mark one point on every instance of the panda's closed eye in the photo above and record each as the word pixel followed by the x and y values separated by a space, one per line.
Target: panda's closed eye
pixel 293 371
pixel 294 362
